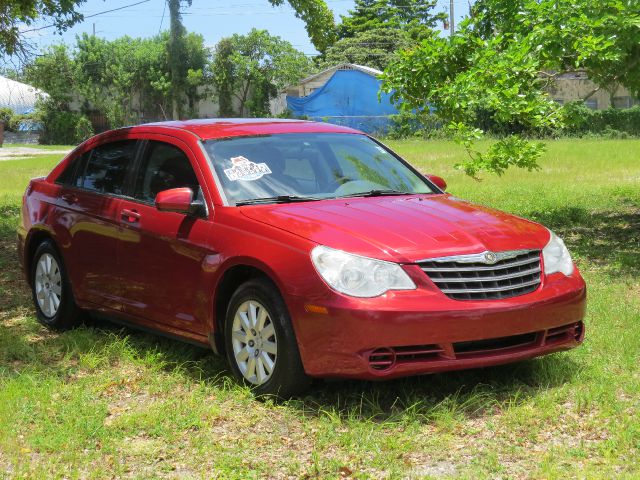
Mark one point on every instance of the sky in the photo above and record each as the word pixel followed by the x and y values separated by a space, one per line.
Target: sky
pixel 214 19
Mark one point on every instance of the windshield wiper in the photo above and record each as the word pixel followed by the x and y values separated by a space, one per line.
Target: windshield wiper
pixel 375 193
pixel 276 199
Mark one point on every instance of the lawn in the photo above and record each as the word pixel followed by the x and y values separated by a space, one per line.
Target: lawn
pixel 105 402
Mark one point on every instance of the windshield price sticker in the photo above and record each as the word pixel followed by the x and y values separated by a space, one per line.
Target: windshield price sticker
pixel 245 169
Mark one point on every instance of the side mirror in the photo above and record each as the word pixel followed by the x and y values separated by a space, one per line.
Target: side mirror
pixel 175 200
pixel 439 181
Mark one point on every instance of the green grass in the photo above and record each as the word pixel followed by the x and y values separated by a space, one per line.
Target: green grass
pixel 104 402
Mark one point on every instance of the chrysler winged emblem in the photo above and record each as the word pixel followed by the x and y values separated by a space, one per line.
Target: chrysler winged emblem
pixel 490 258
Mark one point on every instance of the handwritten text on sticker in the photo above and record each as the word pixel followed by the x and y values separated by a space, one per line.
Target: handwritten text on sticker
pixel 245 169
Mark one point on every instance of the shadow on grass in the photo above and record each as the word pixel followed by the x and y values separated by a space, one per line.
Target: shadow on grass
pixel 608 239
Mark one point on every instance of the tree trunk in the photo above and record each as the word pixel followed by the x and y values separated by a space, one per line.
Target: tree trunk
pixel 175 54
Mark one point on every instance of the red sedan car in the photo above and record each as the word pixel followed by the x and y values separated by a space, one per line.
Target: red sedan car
pixel 297 249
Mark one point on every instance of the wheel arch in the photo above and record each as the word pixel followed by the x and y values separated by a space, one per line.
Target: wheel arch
pixel 233 276
pixel 33 241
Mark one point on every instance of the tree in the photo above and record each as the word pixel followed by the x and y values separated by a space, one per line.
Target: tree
pixel 375 30
pixel 15 14
pixel 55 72
pixel 125 79
pixel 318 20
pixel 177 52
pixel 501 61
pixel 252 68
pixel 413 17
pixel 375 48
pixel 315 13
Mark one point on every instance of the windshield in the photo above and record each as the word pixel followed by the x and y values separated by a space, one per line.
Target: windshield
pixel 303 166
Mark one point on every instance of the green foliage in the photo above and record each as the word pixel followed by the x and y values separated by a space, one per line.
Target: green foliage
pixel 223 68
pixel 375 30
pixel 252 68
pixel 407 124
pixel 318 20
pixel 374 48
pixel 54 72
pixel 5 115
pixel 83 129
pixel 64 127
pixel 612 122
pixel 413 17
pixel 126 79
pixel 130 78
pixel 177 57
pixel 15 14
pixel 497 66
pixel 18 121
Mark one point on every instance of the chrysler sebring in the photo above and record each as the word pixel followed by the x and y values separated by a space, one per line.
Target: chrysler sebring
pixel 295 249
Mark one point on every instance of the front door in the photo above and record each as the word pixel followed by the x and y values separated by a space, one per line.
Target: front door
pixel 161 254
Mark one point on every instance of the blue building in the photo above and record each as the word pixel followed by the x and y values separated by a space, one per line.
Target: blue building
pixel 346 94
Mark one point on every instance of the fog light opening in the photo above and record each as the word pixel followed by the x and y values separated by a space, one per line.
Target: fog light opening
pixel 382 359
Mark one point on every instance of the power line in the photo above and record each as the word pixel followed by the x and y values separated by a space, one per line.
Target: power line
pixel 88 16
pixel 162 19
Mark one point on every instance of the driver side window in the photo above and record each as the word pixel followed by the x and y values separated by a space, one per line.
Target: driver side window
pixel 164 166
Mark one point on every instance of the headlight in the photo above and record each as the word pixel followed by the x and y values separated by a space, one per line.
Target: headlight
pixel 556 256
pixel 359 276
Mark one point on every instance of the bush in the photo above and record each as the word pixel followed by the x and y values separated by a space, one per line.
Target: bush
pixel 612 122
pixel 413 124
pixel 84 129
pixel 29 122
pixel 5 116
pixel 63 127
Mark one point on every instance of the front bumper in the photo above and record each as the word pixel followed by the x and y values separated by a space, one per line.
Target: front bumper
pixel 423 331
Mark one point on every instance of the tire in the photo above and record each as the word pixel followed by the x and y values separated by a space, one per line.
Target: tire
pixel 51 290
pixel 267 339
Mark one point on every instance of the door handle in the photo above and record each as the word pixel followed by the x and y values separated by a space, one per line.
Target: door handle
pixel 131 216
pixel 70 198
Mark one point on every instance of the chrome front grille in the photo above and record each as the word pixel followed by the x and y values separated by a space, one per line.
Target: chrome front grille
pixel 485 276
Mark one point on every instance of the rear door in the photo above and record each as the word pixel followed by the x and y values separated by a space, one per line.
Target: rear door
pixel 162 254
pixel 90 201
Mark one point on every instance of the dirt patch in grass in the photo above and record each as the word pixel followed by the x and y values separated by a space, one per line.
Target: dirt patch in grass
pixel 17 153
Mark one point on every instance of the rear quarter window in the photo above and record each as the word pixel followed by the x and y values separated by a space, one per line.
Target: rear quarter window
pixel 107 167
pixel 68 175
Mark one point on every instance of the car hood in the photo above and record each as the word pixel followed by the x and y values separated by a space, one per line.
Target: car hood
pixel 403 228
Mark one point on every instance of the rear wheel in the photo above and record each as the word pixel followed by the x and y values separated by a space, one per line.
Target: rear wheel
pixel 260 343
pixel 52 297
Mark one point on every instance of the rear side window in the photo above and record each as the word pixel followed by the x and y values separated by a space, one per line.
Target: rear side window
pixel 67 176
pixel 106 169
pixel 164 166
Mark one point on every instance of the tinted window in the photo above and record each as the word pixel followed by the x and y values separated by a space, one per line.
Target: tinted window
pixel 68 174
pixel 164 166
pixel 106 169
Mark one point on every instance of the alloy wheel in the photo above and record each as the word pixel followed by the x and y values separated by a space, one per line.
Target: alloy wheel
pixel 48 285
pixel 254 341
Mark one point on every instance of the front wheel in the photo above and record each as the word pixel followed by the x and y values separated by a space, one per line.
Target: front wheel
pixel 52 297
pixel 260 343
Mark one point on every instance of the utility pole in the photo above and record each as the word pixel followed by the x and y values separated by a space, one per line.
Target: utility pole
pixel 452 27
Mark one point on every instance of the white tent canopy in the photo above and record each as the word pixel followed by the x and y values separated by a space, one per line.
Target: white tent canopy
pixel 19 97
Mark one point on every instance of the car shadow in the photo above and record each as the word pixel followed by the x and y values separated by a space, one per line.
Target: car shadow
pixel 608 239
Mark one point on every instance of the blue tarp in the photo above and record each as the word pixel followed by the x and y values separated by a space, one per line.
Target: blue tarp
pixel 349 98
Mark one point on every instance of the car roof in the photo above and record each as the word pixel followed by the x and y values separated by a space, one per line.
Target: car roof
pixel 211 128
